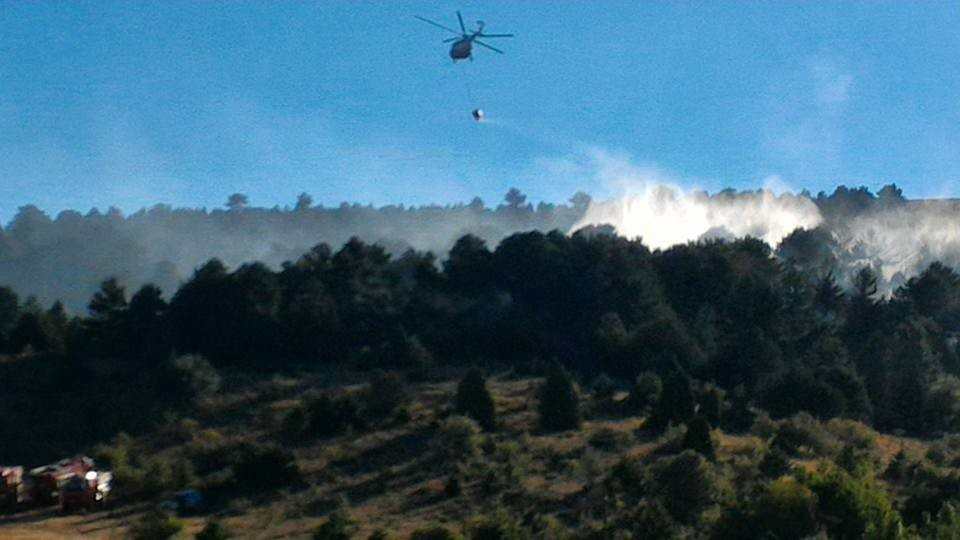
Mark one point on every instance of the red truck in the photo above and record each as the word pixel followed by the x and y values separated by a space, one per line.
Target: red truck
pixel 11 486
pixel 84 492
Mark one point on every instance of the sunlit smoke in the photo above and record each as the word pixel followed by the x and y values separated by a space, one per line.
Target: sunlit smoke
pixel 901 240
pixel 653 208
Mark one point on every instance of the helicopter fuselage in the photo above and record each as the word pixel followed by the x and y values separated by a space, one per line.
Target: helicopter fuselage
pixel 461 49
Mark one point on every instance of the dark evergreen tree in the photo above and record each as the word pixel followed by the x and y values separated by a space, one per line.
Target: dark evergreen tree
pixel 698 437
pixel 676 405
pixel 559 403
pixel 474 400
pixel 9 314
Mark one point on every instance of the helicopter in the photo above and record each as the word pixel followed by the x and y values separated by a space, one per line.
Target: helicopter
pixel 462 47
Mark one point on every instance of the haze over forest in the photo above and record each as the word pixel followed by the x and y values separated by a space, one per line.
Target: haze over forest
pixel 65 257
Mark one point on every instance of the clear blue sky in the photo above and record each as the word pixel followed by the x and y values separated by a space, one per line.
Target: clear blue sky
pixel 134 103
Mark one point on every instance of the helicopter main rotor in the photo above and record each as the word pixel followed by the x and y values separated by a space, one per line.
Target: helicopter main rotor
pixel 464 35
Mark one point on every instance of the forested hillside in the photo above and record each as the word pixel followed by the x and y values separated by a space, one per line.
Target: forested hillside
pixel 756 375
pixel 67 257
pixel 770 330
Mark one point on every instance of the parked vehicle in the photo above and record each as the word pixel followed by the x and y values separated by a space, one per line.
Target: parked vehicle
pixel 11 486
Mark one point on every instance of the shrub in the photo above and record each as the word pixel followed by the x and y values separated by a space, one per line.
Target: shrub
pixel 801 432
pixel 177 432
pixel 338 526
pixel 628 475
pixel 435 532
pixel 650 520
pixel 852 507
pixel 547 527
pixel 698 438
pixel 712 402
pixel 264 467
pixel 295 423
pixel 897 468
pixel 942 404
pixel 686 483
pixel 497 526
pixel 327 417
pixel 801 390
pixel 387 391
pixel 474 400
pixel 603 388
pixel 676 404
pixel 213 530
pixel 155 525
pixel 855 461
pixel 740 416
pixel 453 488
pixel 775 463
pixel 787 509
pixel 457 438
pixel 946 526
pixel 210 451
pixel 764 427
pixel 559 402
pixel 379 534
pixel 852 433
pixel 671 441
pixel 608 439
pixel 645 393
pixel 190 377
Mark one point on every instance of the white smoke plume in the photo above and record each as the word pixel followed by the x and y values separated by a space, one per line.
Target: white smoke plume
pixel 663 214
pixel 900 240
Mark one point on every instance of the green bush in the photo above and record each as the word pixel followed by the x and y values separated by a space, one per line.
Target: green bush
pixel 686 483
pixel 294 425
pixel 559 403
pixel 946 525
pixel 650 520
pixel 645 393
pixel 775 463
pixel 327 417
pixel 452 487
pixel 803 432
pixel 435 532
pixel 474 400
pixel 852 507
pixel 387 391
pixel 712 401
pixel 213 530
pixel 787 509
pixel 190 377
pixel 699 438
pixel 155 525
pixel 338 526
pixel 676 405
pixel 608 439
pixel 497 526
pixel 457 438
pixel 852 433
pixel 264 467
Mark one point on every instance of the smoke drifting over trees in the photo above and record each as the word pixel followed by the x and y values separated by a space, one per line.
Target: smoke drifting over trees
pixel 67 256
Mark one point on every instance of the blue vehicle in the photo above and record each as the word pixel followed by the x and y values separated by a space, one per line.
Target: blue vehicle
pixel 462 47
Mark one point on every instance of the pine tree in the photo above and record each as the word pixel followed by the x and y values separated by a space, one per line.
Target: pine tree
pixel 676 404
pixel 474 400
pixel 559 403
pixel 698 437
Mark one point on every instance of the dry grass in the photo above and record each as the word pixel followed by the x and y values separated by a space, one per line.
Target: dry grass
pixel 388 477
